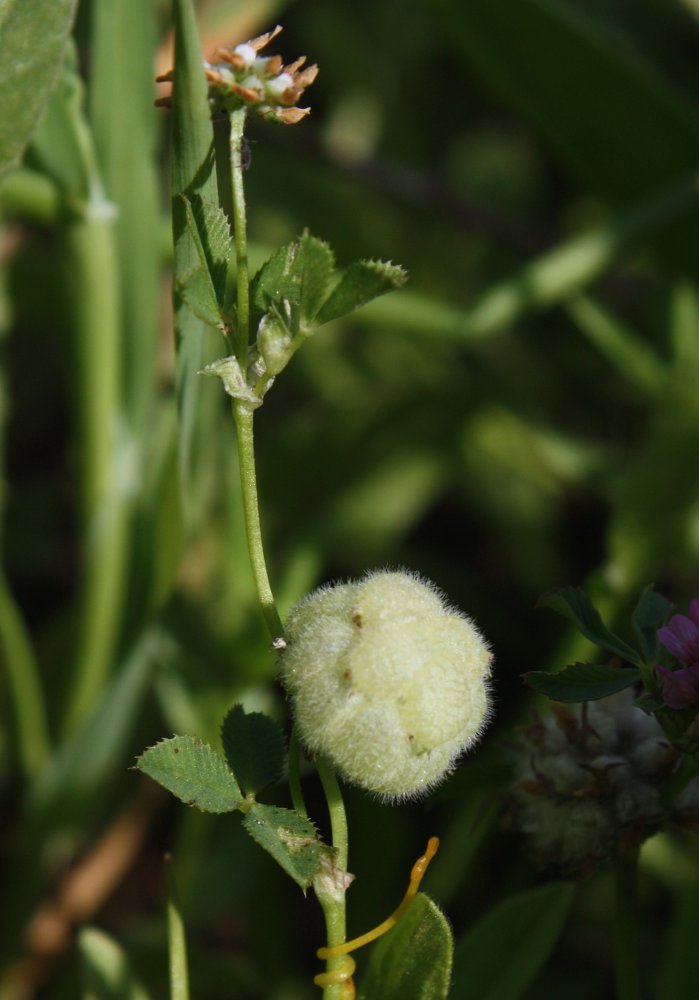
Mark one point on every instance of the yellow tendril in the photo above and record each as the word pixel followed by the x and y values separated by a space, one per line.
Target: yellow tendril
pixel 344 973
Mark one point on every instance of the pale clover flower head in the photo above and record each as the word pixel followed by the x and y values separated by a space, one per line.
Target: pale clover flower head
pixel 241 77
pixel 590 783
pixel 386 680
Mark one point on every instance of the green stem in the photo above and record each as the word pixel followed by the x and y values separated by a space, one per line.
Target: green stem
pixel 242 327
pixel 626 926
pixel 248 481
pixel 177 945
pixel 333 902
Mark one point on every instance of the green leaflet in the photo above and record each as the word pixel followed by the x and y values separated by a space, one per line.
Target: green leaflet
pixel 575 605
pixel 583 681
pixel 254 748
pixel 413 961
pixel 291 840
pixel 32 40
pixel 300 273
pixel 359 283
pixel 192 771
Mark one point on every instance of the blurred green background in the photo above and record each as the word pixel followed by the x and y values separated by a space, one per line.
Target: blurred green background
pixel 524 415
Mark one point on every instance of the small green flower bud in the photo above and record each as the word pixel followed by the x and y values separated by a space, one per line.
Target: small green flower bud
pixel 387 681
pixel 273 343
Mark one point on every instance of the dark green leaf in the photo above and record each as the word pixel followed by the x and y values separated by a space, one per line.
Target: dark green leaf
pixel 254 748
pixel 413 961
pixel 583 681
pixel 359 283
pixel 289 838
pixel 193 772
pixel 500 956
pixel 106 971
pixel 648 703
pixel 649 614
pixel 33 37
pixel 575 605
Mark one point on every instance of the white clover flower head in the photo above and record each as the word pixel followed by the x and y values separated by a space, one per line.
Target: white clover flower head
pixel 246 53
pixel 241 78
pixel 386 680
pixel 590 780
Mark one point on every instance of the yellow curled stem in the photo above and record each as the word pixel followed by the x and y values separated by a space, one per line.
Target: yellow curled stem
pixel 344 973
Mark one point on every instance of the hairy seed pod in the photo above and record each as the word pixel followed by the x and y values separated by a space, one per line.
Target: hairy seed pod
pixel 387 680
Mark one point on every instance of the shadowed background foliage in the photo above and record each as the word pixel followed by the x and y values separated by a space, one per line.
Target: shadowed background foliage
pixel 523 415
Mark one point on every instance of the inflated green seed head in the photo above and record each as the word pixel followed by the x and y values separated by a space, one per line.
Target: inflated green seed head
pixel 386 680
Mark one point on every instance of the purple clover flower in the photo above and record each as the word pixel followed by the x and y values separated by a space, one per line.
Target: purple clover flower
pixel 681 635
pixel 681 638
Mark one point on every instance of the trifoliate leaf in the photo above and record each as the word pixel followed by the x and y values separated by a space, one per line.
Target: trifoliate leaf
pixel 192 771
pixel 289 838
pixel 583 681
pixel 649 614
pixel 359 283
pixel 254 748
pixel 575 605
pixel 413 959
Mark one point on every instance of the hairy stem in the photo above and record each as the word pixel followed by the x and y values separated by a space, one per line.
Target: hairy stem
pixel 253 529
pixel 333 903
pixel 242 327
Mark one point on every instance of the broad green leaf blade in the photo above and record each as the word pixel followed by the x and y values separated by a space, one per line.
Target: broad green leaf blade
pixel 300 274
pixel 649 614
pixel 125 126
pixel 106 971
pixel 413 961
pixel 254 748
pixel 575 605
pixel 583 681
pixel 541 58
pixel 77 776
pixel 289 838
pixel 192 771
pixel 361 282
pixel 500 956
pixel 33 37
